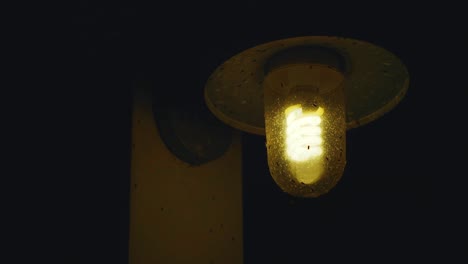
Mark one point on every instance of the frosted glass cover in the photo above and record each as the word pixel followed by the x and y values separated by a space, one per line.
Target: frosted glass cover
pixel 305 125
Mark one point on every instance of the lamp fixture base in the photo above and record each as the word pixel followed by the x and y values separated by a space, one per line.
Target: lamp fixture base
pixel 375 80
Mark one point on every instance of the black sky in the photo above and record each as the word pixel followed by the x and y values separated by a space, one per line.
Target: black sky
pixel 401 196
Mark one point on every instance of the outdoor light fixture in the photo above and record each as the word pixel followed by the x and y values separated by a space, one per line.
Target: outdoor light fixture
pixel 303 93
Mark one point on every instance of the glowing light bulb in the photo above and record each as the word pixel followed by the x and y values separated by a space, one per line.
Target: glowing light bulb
pixel 305 127
pixel 303 133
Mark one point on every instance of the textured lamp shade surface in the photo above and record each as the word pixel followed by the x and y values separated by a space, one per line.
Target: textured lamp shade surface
pixel 305 124
pixel 376 81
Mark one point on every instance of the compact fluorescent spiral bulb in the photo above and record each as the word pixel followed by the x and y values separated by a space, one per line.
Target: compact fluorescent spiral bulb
pixel 303 94
pixel 303 133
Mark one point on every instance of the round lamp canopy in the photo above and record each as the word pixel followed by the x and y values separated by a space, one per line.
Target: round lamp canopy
pixel 375 79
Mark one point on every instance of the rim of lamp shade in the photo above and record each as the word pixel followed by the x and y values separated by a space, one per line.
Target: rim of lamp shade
pixel 375 81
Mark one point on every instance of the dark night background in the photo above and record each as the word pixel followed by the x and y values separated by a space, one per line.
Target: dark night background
pixel 401 197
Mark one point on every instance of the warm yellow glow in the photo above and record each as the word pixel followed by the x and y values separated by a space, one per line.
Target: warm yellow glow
pixel 305 127
pixel 303 133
